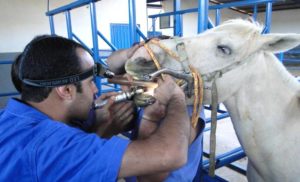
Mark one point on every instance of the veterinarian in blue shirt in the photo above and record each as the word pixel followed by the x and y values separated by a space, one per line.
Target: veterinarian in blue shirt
pixel 55 77
pixel 189 171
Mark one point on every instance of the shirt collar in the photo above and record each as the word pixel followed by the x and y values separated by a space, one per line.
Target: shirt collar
pixel 19 108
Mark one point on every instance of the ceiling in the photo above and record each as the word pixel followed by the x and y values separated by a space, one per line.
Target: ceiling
pixel 280 5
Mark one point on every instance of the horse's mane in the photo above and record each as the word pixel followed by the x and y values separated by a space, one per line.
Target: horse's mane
pixel 249 24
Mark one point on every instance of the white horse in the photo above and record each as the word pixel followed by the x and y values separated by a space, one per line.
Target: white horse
pixel 262 98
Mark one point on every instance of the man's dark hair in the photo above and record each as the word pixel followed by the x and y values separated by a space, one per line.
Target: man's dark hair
pixel 14 73
pixel 46 57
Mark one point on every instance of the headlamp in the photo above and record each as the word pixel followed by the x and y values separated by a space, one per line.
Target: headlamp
pixel 96 70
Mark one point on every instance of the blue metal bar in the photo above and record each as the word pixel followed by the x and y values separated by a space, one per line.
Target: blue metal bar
pixel 210 23
pixel 219 110
pixel 81 42
pixel 268 18
pixel 9 94
pixel 218 17
pixel 223 161
pixel 177 19
pixel 108 90
pixel 141 33
pixel 281 56
pixel 106 41
pixel 215 7
pixel 6 62
pixel 132 22
pixel 70 6
pixel 254 15
pixel 192 10
pixel 202 15
pixel 237 168
pixel 94 31
pixel 286 60
pixel 293 51
pixel 226 158
pixel 51 21
pixel 220 116
pixel 69 24
pixel 240 4
pixel 153 25
pixel 95 42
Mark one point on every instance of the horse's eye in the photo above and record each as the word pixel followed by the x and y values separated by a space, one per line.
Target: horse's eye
pixel 225 49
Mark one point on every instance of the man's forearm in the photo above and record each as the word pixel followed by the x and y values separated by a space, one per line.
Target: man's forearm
pixel 174 131
pixel 146 129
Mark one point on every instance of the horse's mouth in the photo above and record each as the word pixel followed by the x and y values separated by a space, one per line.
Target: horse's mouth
pixel 139 67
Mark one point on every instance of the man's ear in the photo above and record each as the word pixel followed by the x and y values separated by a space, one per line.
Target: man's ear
pixel 66 92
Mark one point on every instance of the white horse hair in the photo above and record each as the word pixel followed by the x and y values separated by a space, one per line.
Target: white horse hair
pixel 262 98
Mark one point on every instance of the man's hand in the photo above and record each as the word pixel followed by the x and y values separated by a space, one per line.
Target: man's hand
pixel 116 61
pixel 114 118
pixel 168 91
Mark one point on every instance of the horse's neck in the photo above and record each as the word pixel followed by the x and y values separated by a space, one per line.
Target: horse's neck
pixel 268 80
pixel 261 107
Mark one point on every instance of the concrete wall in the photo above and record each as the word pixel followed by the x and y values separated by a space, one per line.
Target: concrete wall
pixel 22 20
pixel 286 21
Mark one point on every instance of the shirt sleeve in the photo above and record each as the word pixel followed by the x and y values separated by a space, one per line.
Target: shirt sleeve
pixel 71 155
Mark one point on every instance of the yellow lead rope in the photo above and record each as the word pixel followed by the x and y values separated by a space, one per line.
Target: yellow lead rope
pixel 198 96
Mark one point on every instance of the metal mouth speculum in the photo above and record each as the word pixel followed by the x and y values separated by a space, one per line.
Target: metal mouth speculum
pixel 187 77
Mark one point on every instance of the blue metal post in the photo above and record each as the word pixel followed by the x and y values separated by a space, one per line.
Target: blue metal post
pixel 281 56
pixel 94 31
pixel 70 6
pixel 202 15
pixel 177 18
pixel 218 17
pixel 69 24
pixel 132 22
pixel 153 25
pixel 254 16
pixel 106 41
pixel 268 17
pixel 95 41
pixel 51 21
pixel 141 33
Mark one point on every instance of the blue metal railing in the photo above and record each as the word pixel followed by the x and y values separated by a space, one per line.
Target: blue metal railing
pixel 203 7
pixel 133 29
pixel 7 60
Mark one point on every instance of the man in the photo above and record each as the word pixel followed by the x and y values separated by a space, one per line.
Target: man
pixel 116 62
pixel 37 143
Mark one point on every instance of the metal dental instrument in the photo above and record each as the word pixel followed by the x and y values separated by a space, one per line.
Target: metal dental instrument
pixel 124 81
pixel 118 98
pixel 185 76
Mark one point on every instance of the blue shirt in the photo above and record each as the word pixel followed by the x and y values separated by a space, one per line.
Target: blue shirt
pixel 34 147
pixel 190 169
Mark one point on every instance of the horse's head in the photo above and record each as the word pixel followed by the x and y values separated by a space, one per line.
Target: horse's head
pixel 225 53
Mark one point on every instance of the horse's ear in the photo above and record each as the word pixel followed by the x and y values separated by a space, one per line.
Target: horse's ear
pixel 279 42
